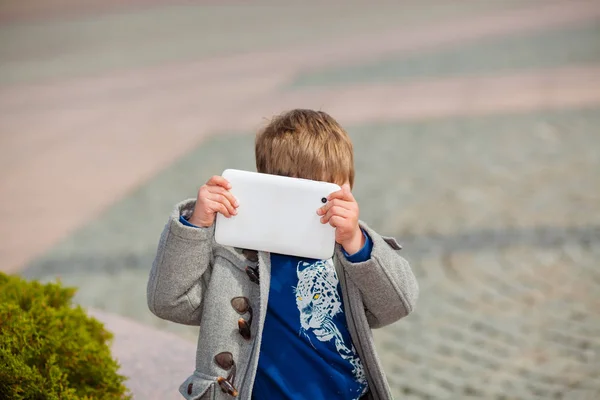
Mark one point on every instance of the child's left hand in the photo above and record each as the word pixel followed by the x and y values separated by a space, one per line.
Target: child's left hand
pixel 341 212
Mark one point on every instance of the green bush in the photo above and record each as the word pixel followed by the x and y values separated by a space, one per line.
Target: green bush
pixel 50 349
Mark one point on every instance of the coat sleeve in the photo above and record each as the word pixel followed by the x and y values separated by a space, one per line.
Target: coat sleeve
pixel 181 269
pixel 388 286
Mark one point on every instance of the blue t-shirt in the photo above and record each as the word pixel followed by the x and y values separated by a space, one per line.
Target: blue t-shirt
pixel 306 350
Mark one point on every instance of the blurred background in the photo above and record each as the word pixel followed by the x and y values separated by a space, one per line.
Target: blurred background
pixel 477 132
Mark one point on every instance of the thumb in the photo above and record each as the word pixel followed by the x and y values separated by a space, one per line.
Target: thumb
pixel 346 188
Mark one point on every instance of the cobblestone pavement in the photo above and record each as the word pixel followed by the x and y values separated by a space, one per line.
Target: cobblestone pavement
pixel 498 216
pixel 486 172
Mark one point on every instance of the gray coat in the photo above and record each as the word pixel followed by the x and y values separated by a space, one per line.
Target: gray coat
pixel 193 280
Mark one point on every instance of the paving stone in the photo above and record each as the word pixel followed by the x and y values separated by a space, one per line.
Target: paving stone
pixel 509 304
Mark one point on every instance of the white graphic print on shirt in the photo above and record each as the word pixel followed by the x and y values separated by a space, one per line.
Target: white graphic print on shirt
pixel 318 301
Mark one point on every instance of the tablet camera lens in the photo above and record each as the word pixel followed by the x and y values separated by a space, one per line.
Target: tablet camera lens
pixel 324 200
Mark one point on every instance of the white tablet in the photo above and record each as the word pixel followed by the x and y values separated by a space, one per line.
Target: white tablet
pixel 277 214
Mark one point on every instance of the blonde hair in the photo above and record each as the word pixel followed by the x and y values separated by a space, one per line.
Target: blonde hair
pixel 305 144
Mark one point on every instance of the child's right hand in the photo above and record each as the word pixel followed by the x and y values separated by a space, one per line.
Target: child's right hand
pixel 213 197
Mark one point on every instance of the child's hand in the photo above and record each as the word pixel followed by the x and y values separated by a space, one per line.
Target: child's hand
pixel 341 212
pixel 213 197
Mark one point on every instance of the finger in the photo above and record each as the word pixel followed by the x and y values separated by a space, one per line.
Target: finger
pixel 334 203
pixel 340 194
pixel 343 194
pixel 336 221
pixel 224 201
pixel 224 192
pixel 219 181
pixel 333 211
pixel 348 191
pixel 220 208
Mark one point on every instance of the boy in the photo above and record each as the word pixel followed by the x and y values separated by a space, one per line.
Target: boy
pixel 274 326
